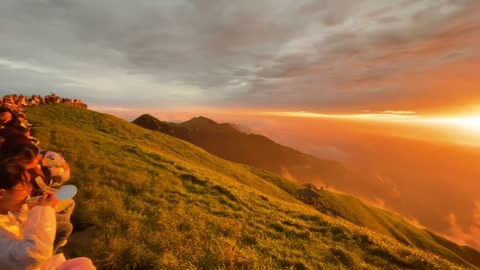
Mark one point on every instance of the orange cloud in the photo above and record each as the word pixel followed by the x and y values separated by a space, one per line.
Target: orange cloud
pixel 466 236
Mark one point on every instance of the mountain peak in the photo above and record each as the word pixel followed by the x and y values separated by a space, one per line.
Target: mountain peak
pixel 150 122
pixel 145 116
pixel 200 121
pixel 207 124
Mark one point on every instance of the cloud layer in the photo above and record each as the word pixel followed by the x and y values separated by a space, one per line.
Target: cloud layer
pixel 315 55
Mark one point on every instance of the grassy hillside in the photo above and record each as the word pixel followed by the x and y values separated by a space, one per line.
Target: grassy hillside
pixel 385 222
pixel 227 142
pixel 150 201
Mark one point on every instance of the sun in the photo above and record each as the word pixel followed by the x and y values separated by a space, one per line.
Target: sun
pixel 469 123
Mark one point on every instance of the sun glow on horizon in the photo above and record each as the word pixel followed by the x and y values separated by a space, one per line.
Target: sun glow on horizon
pixel 462 129
pixel 388 115
pixel 468 122
pixel 368 116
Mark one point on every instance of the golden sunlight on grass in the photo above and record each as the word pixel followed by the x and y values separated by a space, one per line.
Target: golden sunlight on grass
pixel 162 203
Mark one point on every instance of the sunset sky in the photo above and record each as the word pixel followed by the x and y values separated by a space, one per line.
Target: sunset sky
pixel 285 69
pixel 342 56
pixel 321 58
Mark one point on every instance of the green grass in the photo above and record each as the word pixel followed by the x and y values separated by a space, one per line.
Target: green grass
pixel 156 202
pixel 393 225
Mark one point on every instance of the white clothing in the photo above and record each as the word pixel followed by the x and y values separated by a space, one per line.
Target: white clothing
pixel 26 242
pixel 29 244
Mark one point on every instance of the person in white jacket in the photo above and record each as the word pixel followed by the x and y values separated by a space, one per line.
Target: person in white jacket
pixel 26 236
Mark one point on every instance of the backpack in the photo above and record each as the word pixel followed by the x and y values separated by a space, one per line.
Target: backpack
pixel 57 166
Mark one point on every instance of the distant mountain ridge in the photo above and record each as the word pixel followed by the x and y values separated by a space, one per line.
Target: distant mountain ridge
pixel 228 142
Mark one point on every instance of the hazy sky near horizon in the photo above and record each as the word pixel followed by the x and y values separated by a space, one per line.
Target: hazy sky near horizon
pixel 321 56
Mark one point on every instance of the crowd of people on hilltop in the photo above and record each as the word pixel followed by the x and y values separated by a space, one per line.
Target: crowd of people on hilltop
pixel 16 102
pixel 34 224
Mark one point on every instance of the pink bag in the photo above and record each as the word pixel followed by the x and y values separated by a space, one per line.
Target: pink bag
pixel 80 263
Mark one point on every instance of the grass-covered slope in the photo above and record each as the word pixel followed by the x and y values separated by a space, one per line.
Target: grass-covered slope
pixel 150 201
pixel 385 222
pixel 229 143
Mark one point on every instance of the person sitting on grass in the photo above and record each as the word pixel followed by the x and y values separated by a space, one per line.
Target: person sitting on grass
pixel 30 245
pixel 26 239
pixel 20 149
pixel 6 115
